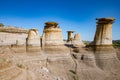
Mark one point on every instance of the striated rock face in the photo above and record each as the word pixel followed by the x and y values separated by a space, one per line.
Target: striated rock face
pixel 52 39
pixel 77 41
pixel 103 34
pixel 17 39
pixel 70 34
pixel 52 34
pixel 33 40
pixel 105 55
pixel 14 37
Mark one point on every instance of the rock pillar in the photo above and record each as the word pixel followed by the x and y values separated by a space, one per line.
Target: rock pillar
pixel 70 35
pixel 52 34
pixel 33 41
pixel 103 34
pixel 104 52
pixel 52 39
pixel 77 41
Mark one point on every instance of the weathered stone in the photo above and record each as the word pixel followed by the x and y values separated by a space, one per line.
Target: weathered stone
pixel 12 39
pixel 52 34
pixel 103 34
pixel 70 36
pixel 33 40
pixel 104 51
pixel 77 41
pixel 52 39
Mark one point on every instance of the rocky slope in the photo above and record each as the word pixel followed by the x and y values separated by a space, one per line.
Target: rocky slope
pixel 63 66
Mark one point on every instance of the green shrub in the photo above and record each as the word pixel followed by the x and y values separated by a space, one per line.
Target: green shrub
pixel 116 43
pixel 1 25
pixel 20 65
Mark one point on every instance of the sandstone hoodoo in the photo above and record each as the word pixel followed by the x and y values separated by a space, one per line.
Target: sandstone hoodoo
pixel 77 41
pixel 52 34
pixel 52 37
pixel 103 35
pixel 104 51
pixel 70 36
pixel 33 40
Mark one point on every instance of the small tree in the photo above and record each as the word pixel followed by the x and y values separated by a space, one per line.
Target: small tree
pixel 1 25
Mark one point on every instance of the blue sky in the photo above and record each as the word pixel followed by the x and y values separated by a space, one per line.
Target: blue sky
pixel 77 15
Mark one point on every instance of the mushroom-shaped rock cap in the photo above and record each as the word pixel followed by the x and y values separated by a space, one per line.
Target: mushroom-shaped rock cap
pixel 71 31
pixel 105 20
pixel 33 29
pixel 51 23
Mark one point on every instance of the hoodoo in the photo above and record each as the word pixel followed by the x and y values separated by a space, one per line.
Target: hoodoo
pixel 33 40
pixel 70 34
pixel 77 41
pixel 104 51
pixel 52 39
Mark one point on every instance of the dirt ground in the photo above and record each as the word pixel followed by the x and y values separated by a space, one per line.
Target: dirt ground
pixel 58 66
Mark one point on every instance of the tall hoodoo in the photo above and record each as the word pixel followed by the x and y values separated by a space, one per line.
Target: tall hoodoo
pixel 52 34
pixel 70 35
pixel 103 34
pixel 33 40
pixel 104 51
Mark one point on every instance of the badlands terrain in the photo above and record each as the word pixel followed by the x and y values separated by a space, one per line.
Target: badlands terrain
pixel 24 55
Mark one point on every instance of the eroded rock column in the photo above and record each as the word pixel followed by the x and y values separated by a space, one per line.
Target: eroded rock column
pixel 103 34
pixel 52 39
pixel 33 41
pixel 77 41
pixel 105 55
pixel 70 35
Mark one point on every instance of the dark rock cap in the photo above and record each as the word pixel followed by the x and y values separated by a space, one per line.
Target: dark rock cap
pixel 105 20
pixel 51 23
pixel 71 31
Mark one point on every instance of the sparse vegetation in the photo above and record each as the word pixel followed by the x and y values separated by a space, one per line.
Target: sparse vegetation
pixel 75 77
pixel 20 65
pixel 87 42
pixel 116 43
pixel 2 59
pixel 1 25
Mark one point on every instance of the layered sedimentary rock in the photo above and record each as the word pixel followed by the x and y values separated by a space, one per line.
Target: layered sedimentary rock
pixel 52 34
pixel 14 37
pixel 52 37
pixel 70 35
pixel 33 40
pixel 77 41
pixel 103 36
pixel 104 52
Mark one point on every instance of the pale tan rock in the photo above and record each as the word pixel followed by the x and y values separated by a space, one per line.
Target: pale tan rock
pixel 70 35
pixel 52 39
pixel 33 40
pixel 105 54
pixel 52 34
pixel 16 39
pixel 103 35
pixel 77 41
